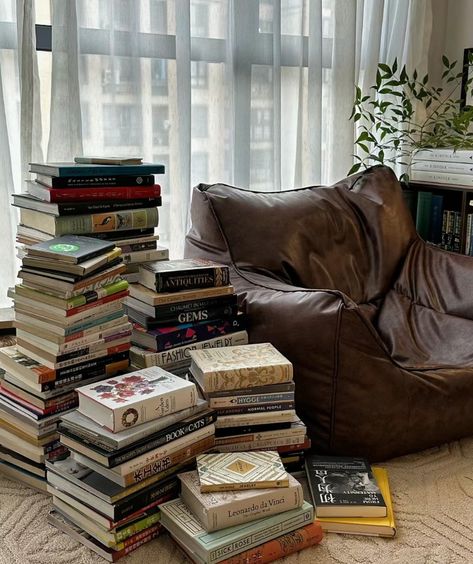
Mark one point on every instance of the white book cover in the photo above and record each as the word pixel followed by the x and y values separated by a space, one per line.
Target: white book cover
pixel 132 399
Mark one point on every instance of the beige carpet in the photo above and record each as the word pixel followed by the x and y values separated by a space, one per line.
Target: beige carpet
pixel 432 491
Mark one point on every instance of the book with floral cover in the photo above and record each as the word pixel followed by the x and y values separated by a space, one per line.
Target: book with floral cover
pixel 231 368
pixel 132 399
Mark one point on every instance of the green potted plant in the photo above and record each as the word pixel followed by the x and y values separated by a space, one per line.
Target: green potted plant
pixel 403 112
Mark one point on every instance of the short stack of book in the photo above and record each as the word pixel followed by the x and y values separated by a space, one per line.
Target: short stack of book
pixel 117 201
pixel 349 496
pixel 128 439
pixel 443 166
pixel 240 507
pixel 71 328
pixel 251 387
pixel 178 306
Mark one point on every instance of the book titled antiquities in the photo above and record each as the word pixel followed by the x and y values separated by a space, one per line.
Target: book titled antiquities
pixel 218 510
pixel 232 368
pixel 122 402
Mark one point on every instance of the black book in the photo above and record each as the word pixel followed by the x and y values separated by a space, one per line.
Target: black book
pixel 186 312
pixel 77 208
pixel 125 234
pixel 71 248
pixel 90 181
pixel 344 487
pixel 82 169
pixel 249 429
pixel 185 274
pixel 110 459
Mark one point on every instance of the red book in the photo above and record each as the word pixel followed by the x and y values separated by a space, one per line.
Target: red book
pixel 97 193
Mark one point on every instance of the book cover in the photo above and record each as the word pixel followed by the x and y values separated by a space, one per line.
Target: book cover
pixel 185 274
pixel 344 487
pixel 133 399
pixel 230 368
pixel 376 526
pixel 218 545
pixel 109 160
pixel 219 510
pixel 93 193
pixel 132 180
pixel 241 471
pixel 71 248
pixel 79 169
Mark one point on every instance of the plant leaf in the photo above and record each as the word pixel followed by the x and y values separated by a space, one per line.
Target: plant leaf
pixel 355 168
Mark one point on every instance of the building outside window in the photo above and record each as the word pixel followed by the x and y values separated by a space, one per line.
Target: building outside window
pixel 161 125
pixel 122 125
pixel 200 122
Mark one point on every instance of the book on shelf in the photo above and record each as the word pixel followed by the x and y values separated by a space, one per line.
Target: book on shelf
pixel 95 180
pixel 423 217
pixel 220 510
pixel 109 160
pixel 376 526
pixel 133 399
pixel 448 154
pixel 94 193
pixel 219 472
pixel 83 169
pixel 72 208
pixel 185 274
pixel 240 367
pixel 216 546
pixel 344 487
pixel 113 221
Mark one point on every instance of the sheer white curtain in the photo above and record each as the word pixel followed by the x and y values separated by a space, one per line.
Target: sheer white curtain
pixel 255 93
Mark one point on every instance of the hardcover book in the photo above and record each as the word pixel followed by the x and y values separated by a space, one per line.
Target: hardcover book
pixel 93 181
pixel 185 274
pixel 133 399
pixel 219 510
pixel 214 547
pixel 79 169
pixel 241 471
pixel 95 193
pixel 231 368
pixel 71 248
pixel 344 487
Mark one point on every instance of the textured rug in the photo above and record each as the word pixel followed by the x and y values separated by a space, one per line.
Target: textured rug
pixel 432 494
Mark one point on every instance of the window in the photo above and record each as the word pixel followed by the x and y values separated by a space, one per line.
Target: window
pixel 200 167
pixel 200 118
pixel 261 124
pixel 199 20
pixel 199 74
pixel 261 81
pixel 122 125
pixel 261 166
pixel 159 77
pixel 158 16
pixel 85 116
pixel 161 125
pixel 119 76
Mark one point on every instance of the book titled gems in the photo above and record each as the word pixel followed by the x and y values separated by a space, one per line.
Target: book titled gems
pixel 219 472
pixel 132 399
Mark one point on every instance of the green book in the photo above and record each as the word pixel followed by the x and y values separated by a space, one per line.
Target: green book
pixel 424 214
pixel 220 545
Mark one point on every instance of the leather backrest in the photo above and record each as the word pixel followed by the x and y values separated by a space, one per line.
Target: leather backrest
pixel 350 237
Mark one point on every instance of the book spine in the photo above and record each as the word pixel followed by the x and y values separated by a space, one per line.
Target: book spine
pixel 442 177
pixel 95 181
pixel 228 380
pixel 184 280
pixel 144 256
pixel 109 298
pixel 255 391
pixel 66 209
pixel 256 419
pixel 154 407
pixel 435 235
pixel 106 222
pixel 149 498
pixel 185 454
pixel 94 296
pixel 247 400
pixel 238 511
pixel 87 326
pixel 138 526
pixel 144 193
pixel 143 539
pixel 170 434
pixel 112 333
pixel 448 155
pixel 164 451
pixel 280 547
pixel 445 167
pixel 424 205
pixel 252 539
pixel 181 355
pixel 177 317
pixel 263 408
pixel 263 444
pixel 131 541
pixel 444 229
pixel 457 232
pixel 134 247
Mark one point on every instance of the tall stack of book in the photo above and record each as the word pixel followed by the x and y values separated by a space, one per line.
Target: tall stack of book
pixel 128 439
pixel 179 306
pixel 71 327
pixel 349 496
pixel 251 387
pixel 117 201
pixel 240 507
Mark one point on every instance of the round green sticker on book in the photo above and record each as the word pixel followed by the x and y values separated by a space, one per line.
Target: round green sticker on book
pixel 64 248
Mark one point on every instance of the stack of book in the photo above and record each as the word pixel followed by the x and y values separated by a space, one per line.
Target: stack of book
pixel 179 306
pixel 128 439
pixel 349 496
pixel 240 507
pixel 443 166
pixel 71 327
pixel 117 201
pixel 252 390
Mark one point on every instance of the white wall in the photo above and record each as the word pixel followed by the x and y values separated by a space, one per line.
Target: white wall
pixel 458 28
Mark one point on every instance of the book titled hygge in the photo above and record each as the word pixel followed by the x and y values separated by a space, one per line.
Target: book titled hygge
pixel 132 399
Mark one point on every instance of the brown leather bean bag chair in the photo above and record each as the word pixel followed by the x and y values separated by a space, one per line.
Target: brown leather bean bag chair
pixel 378 324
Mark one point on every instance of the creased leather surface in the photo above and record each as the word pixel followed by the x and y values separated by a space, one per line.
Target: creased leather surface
pixel 377 324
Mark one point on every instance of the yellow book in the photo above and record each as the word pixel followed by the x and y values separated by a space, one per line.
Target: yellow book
pixel 377 526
